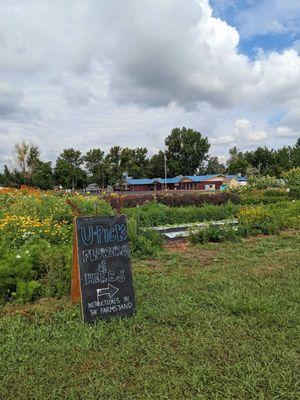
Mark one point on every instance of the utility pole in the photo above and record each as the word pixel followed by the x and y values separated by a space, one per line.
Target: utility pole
pixel 165 159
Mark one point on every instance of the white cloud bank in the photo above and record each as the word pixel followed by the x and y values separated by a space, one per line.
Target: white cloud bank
pixel 99 73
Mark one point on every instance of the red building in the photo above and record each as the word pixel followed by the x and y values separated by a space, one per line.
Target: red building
pixel 193 182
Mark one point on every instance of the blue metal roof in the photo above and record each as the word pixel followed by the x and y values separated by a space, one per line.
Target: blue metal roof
pixel 145 181
pixel 176 179
pixel 199 178
pixel 239 178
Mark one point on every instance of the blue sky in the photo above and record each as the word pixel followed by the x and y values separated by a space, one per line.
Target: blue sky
pixel 270 25
pixel 93 73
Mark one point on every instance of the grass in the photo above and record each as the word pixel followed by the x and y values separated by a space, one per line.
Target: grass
pixel 219 321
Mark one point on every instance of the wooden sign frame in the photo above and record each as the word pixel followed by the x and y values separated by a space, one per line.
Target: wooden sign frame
pixel 101 271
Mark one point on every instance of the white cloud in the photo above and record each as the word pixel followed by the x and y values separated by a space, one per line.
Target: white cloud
pixel 286 132
pixel 99 73
pixel 245 131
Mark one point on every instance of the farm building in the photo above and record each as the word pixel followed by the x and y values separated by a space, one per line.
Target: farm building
pixel 190 182
pixel 242 181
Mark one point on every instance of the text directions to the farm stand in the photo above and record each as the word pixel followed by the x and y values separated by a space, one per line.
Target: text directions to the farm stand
pixel 104 267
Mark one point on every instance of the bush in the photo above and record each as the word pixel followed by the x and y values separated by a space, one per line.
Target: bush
pixel 252 221
pixel 257 220
pixel 48 266
pixel 172 199
pixel 28 291
pixel 295 192
pixel 215 234
pixel 155 214
pixel 144 243
pixel 264 182
pixel 268 196
pixel 292 176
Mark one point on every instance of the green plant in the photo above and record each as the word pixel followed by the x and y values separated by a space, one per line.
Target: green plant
pixel 214 233
pixel 292 176
pixel 28 291
pixel 49 266
pixel 143 243
pixel 154 214
pixel 295 192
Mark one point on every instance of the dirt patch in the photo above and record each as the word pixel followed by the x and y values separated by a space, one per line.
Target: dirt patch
pixel 191 252
pixel 269 269
pixel 285 232
pixel 45 306
pixel 177 246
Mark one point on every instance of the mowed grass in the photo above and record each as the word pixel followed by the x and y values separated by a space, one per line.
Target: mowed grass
pixel 219 321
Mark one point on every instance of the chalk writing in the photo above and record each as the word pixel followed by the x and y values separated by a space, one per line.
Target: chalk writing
pixel 98 234
pixel 104 252
pixel 104 267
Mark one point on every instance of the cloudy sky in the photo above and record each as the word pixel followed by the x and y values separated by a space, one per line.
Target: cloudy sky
pixel 96 73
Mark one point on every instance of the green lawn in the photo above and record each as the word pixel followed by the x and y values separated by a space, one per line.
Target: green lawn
pixel 219 321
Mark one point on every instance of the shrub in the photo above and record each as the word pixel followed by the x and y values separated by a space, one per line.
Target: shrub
pixel 257 220
pixel 172 199
pixel 28 291
pixel 253 215
pixel 295 192
pixel 268 196
pixel 292 176
pixel 155 214
pixel 48 266
pixel 264 182
pixel 213 233
pixel 143 243
pixel 252 221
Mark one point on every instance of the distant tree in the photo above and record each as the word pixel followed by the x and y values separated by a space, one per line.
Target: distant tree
pixel 95 164
pixel 113 165
pixel 8 178
pixel 186 151
pixel 42 177
pixel 156 166
pixel 134 162
pixel 262 159
pixel 237 162
pixel 27 160
pixel 67 170
pixel 22 152
pixel 213 166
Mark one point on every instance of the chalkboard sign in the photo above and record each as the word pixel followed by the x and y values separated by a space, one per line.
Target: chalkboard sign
pixel 104 267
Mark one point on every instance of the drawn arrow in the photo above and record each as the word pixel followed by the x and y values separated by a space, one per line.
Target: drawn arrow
pixel 108 291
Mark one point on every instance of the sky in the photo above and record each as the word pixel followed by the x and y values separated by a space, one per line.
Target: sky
pixel 99 73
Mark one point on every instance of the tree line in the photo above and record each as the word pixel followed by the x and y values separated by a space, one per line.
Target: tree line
pixel 186 153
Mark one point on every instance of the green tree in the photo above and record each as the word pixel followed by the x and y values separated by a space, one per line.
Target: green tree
pixel 113 165
pixel 186 151
pixel 237 162
pixel 95 164
pixel 134 162
pixel 42 176
pixel 156 166
pixel 262 159
pixel 213 166
pixel 67 170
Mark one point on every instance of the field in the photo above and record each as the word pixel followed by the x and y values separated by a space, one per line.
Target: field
pixel 217 320
pixel 213 322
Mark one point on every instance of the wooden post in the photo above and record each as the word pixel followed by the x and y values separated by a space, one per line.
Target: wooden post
pixel 75 285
